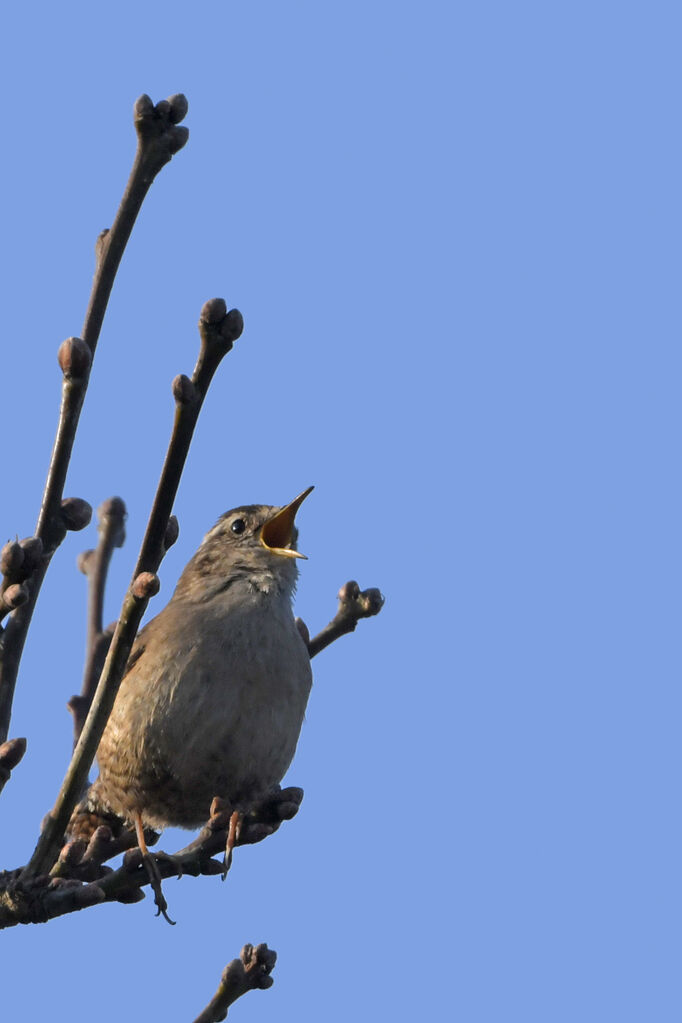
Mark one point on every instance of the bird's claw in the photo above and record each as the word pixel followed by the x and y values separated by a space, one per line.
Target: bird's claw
pixel 152 867
pixel 232 839
pixel 154 875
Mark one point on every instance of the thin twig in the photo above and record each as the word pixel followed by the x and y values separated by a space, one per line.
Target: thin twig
pixel 354 604
pixel 159 136
pixel 52 523
pixel 95 564
pixel 218 329
pixel 248 973
pixel 111 529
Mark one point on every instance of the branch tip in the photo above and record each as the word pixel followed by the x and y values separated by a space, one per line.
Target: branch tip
pixel 144 106
pixel 159 136
pixel 218 328
pixel 354 604
pixel 84 561
pixel 259 961
pixel 111 517
pixel 178 107
pixel 213 311
pixel 113 507
pixel 250 972
pixel 360 603
pixel 159 133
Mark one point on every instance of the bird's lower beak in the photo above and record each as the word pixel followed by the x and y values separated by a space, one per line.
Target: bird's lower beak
pixel 278 532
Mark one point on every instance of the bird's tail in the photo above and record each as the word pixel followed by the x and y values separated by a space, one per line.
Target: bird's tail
pixel 90 814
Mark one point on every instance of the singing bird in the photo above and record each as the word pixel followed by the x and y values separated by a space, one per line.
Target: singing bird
pixel 216 687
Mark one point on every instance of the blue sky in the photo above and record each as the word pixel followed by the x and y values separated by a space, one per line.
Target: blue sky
pixel 453 233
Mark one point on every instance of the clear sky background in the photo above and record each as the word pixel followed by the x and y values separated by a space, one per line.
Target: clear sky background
pixel 453 231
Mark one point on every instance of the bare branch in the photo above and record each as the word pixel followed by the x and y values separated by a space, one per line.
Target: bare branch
pixel 354 604
pixel 159 137
pixel 26 899
pixel 35 905
pixel 95 564
pixel 218 330
pixel 251 971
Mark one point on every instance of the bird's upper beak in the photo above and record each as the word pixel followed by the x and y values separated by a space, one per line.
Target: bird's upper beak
pixel 278 532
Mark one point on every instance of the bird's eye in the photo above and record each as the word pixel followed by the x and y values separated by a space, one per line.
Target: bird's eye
pixel 238 526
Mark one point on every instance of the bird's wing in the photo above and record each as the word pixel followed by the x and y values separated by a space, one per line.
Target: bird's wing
pixel 139 645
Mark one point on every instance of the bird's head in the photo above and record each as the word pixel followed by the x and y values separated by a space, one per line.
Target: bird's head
pixel 256 543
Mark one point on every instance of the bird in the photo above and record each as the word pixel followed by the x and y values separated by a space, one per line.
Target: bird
pixel 216 686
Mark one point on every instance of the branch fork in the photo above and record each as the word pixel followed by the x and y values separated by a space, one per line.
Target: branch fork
pixel 62 878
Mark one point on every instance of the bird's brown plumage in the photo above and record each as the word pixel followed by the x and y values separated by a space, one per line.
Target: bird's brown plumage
pixel 216 688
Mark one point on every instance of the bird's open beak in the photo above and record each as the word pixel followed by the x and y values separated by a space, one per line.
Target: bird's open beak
pixel 278 532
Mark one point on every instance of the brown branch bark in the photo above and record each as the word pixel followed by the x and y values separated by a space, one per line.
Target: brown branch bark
pixel 218 329
pixel 94 564
pixel 11 753
pixel 354 604
pixel 159 136
pixel 79 879
pixel 250 972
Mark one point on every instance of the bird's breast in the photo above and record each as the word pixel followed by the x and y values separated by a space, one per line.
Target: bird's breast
pixel 212 707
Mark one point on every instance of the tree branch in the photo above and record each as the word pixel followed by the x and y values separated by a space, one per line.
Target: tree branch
pixel 94 564
pixel 80 866
pixel 354 604
pixel 251 971
pixel 218 329
pixel 159 137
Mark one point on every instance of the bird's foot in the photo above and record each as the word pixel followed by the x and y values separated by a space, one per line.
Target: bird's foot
pixel 233 832
pixel 154 875
pixel 153 872
pixel 228 827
